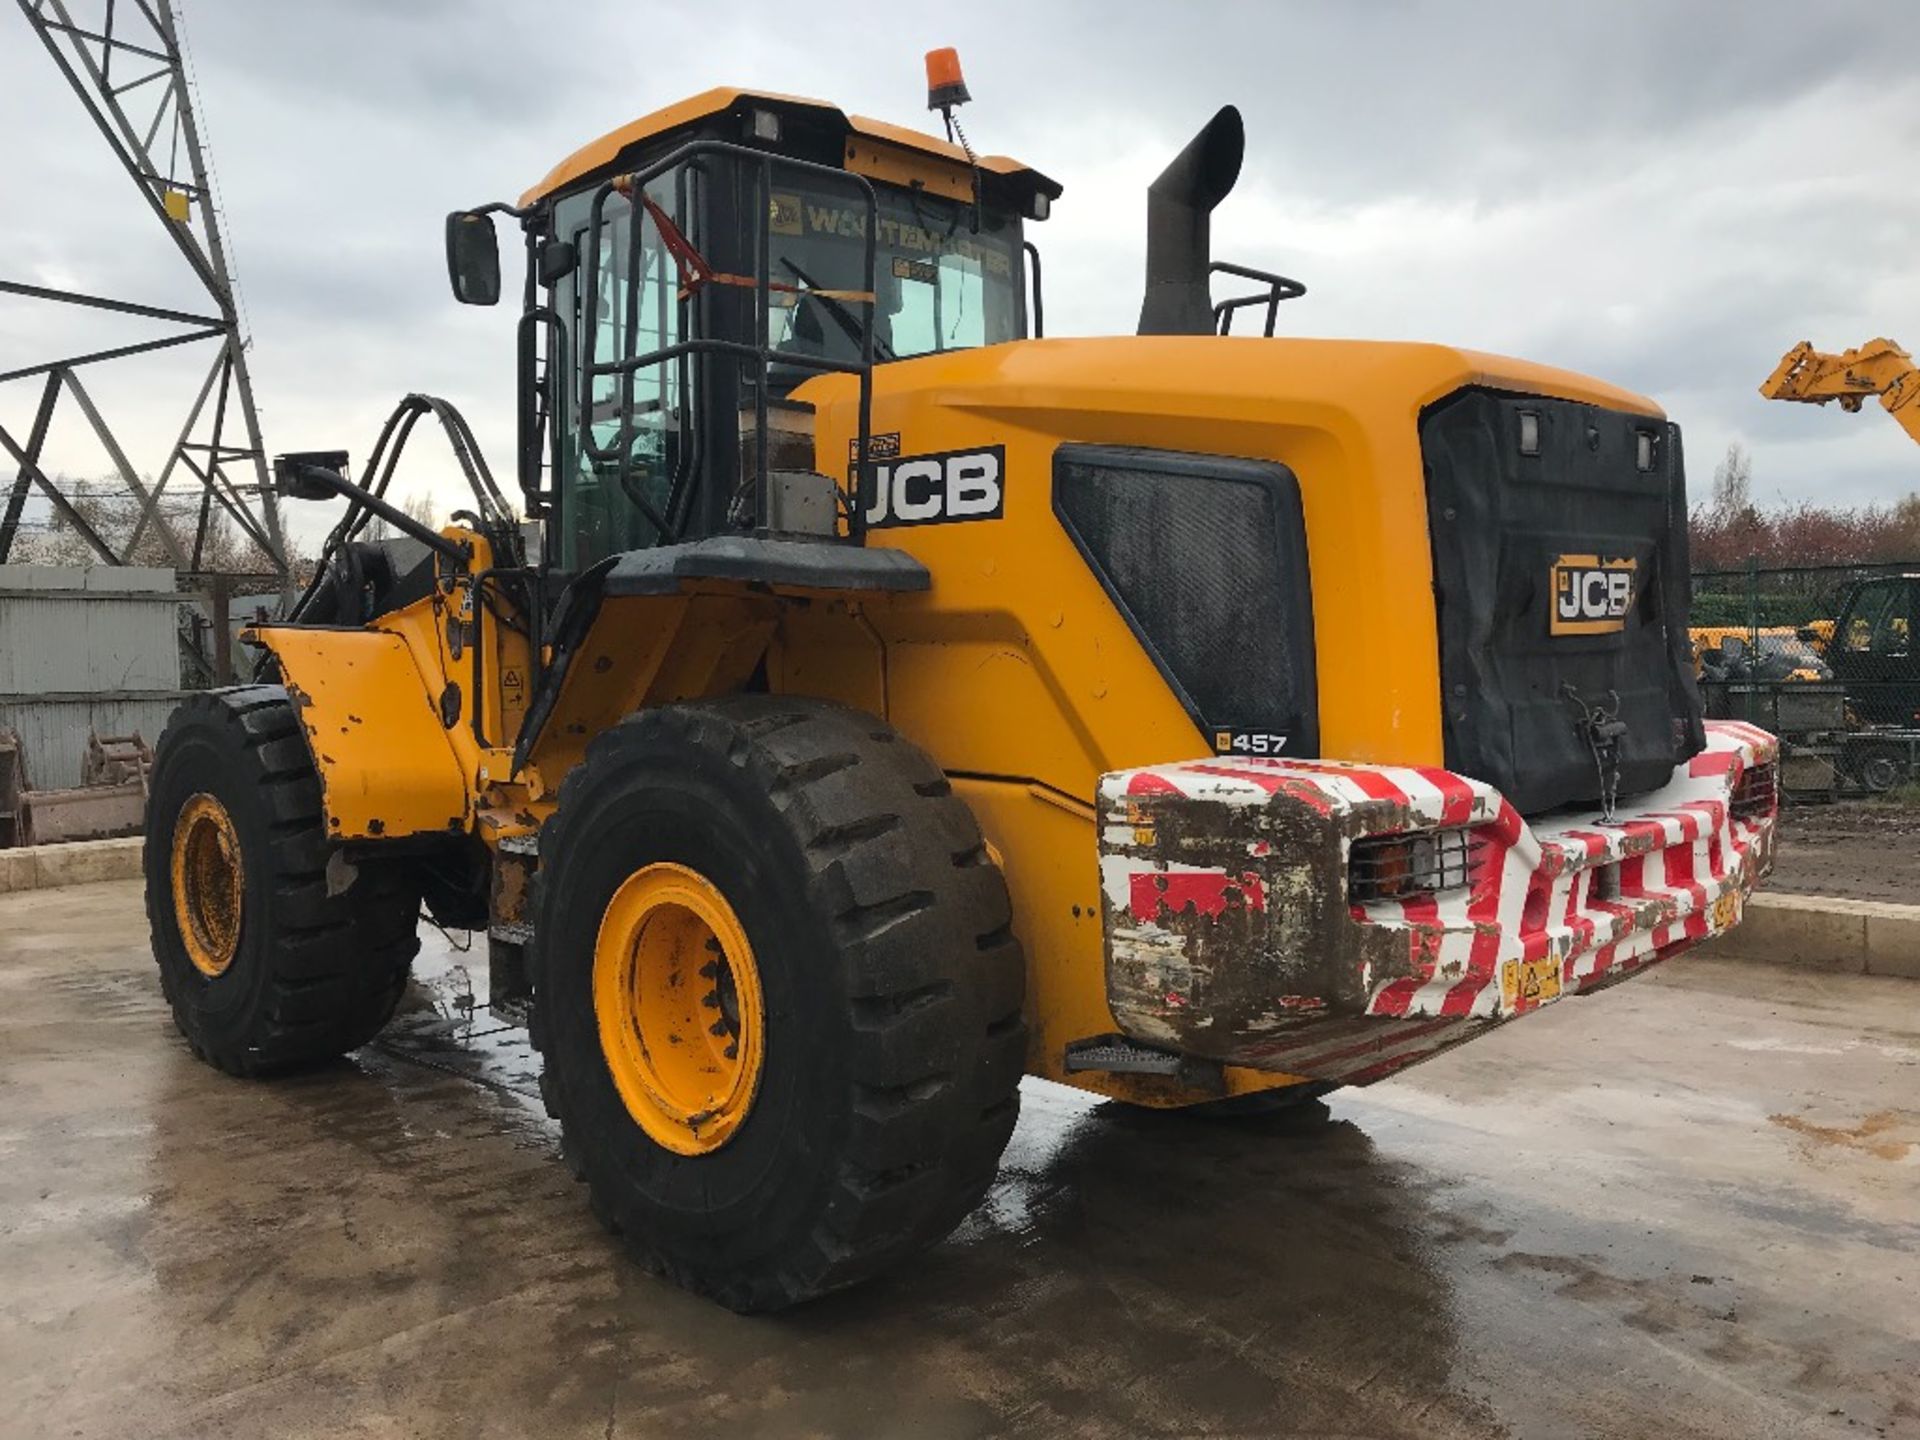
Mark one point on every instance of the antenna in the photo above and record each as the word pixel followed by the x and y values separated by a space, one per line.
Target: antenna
pixel 124 61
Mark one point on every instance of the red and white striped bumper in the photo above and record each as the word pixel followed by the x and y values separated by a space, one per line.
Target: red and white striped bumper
pixel 1231 934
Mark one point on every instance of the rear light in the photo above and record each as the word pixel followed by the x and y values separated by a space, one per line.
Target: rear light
pixel 1529 432
pixel 1421 862
pixel 1758 794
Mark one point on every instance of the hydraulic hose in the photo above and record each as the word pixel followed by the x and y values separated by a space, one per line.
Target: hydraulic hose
pixel 495 515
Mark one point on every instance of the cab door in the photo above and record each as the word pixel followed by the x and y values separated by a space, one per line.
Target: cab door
pixel 624 448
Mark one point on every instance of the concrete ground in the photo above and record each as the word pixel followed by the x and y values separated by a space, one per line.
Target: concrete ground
pixel 1689 1206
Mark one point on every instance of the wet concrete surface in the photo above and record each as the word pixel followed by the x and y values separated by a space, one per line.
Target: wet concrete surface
pixel 1688 1206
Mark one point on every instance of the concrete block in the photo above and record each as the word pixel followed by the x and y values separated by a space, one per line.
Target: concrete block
pixel 36 577
pixel 86 861
pixel 1893 941
pixel 16 870
pixel 1809 930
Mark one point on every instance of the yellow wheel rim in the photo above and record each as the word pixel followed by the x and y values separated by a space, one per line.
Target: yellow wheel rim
pixel 676 995
pixel 209 881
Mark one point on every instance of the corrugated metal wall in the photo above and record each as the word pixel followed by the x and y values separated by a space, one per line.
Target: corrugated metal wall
pixel 54 732
pixel 85 648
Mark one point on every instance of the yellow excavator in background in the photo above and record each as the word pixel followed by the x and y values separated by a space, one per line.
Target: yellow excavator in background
pixel 1878 367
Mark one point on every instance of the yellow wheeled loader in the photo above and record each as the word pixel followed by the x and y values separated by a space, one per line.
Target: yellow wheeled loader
pixel 880 701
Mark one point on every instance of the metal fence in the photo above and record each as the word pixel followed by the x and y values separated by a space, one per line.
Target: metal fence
pixel 1824 656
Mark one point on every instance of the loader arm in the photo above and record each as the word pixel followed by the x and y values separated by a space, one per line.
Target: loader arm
pixel 1878 367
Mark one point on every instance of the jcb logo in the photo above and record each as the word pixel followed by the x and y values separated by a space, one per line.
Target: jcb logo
pixel 783 214
pixel 936 489
pixel 1592 596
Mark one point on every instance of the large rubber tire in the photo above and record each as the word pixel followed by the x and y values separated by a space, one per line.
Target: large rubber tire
pixel 1882 768
pixel 892 985
pixel 324 947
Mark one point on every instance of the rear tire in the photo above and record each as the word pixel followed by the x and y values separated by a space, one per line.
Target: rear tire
pixel 877 931
pixel 276 952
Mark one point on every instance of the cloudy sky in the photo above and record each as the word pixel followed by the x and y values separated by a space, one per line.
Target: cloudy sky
pixel 1665 194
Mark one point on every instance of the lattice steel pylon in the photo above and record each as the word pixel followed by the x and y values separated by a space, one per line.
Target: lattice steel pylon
pixel 126 56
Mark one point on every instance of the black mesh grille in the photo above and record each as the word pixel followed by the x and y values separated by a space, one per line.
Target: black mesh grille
pixel 1206 557
pixel 1757 794
pixel 1388 867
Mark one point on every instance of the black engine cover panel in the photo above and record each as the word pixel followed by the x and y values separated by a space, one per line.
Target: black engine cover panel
pixel 1558 573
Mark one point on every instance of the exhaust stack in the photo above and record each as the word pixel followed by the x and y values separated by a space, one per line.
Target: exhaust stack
pixel 1179 248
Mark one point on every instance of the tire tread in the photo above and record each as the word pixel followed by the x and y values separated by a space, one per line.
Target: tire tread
pixel 932 975
pixel 336 964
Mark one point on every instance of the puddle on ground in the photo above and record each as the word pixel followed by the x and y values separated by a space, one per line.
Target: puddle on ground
pixel 1134 1272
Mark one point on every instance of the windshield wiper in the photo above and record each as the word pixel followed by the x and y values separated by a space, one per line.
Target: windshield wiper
pixel 842 316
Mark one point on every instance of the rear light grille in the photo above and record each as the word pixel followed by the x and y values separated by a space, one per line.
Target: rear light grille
pixel 1420 862
pixel 1758 793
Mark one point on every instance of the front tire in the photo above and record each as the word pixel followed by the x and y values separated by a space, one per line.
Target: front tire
pixel 273 951
pixel 776 994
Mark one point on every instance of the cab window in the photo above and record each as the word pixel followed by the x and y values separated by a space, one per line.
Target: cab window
pixel 1880 624
pixel 945 278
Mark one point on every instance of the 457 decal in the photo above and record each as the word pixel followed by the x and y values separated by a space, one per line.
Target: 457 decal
pixel 1248 742
pixel 937 489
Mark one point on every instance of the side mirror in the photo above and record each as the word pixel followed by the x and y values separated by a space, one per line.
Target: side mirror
pixel 473 258
pixel 310 474
pixel 322 475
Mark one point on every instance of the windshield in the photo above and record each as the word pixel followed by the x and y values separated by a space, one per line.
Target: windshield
pixel 940 283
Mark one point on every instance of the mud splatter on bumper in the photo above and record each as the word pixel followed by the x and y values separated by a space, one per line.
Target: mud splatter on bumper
pixel 1231 933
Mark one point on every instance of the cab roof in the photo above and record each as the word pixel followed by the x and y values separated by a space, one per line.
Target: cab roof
pixel 684 114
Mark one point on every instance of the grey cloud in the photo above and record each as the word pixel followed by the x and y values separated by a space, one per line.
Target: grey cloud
pixel 1610 187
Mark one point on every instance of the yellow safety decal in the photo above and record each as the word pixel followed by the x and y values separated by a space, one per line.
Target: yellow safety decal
pixel 1527 983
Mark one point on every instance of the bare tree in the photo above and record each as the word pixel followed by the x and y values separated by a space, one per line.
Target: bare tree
pixel 1733 485
pixel 419 505
pixel 113 515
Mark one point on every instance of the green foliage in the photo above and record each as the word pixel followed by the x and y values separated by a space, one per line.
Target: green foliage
pixel 1732 607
